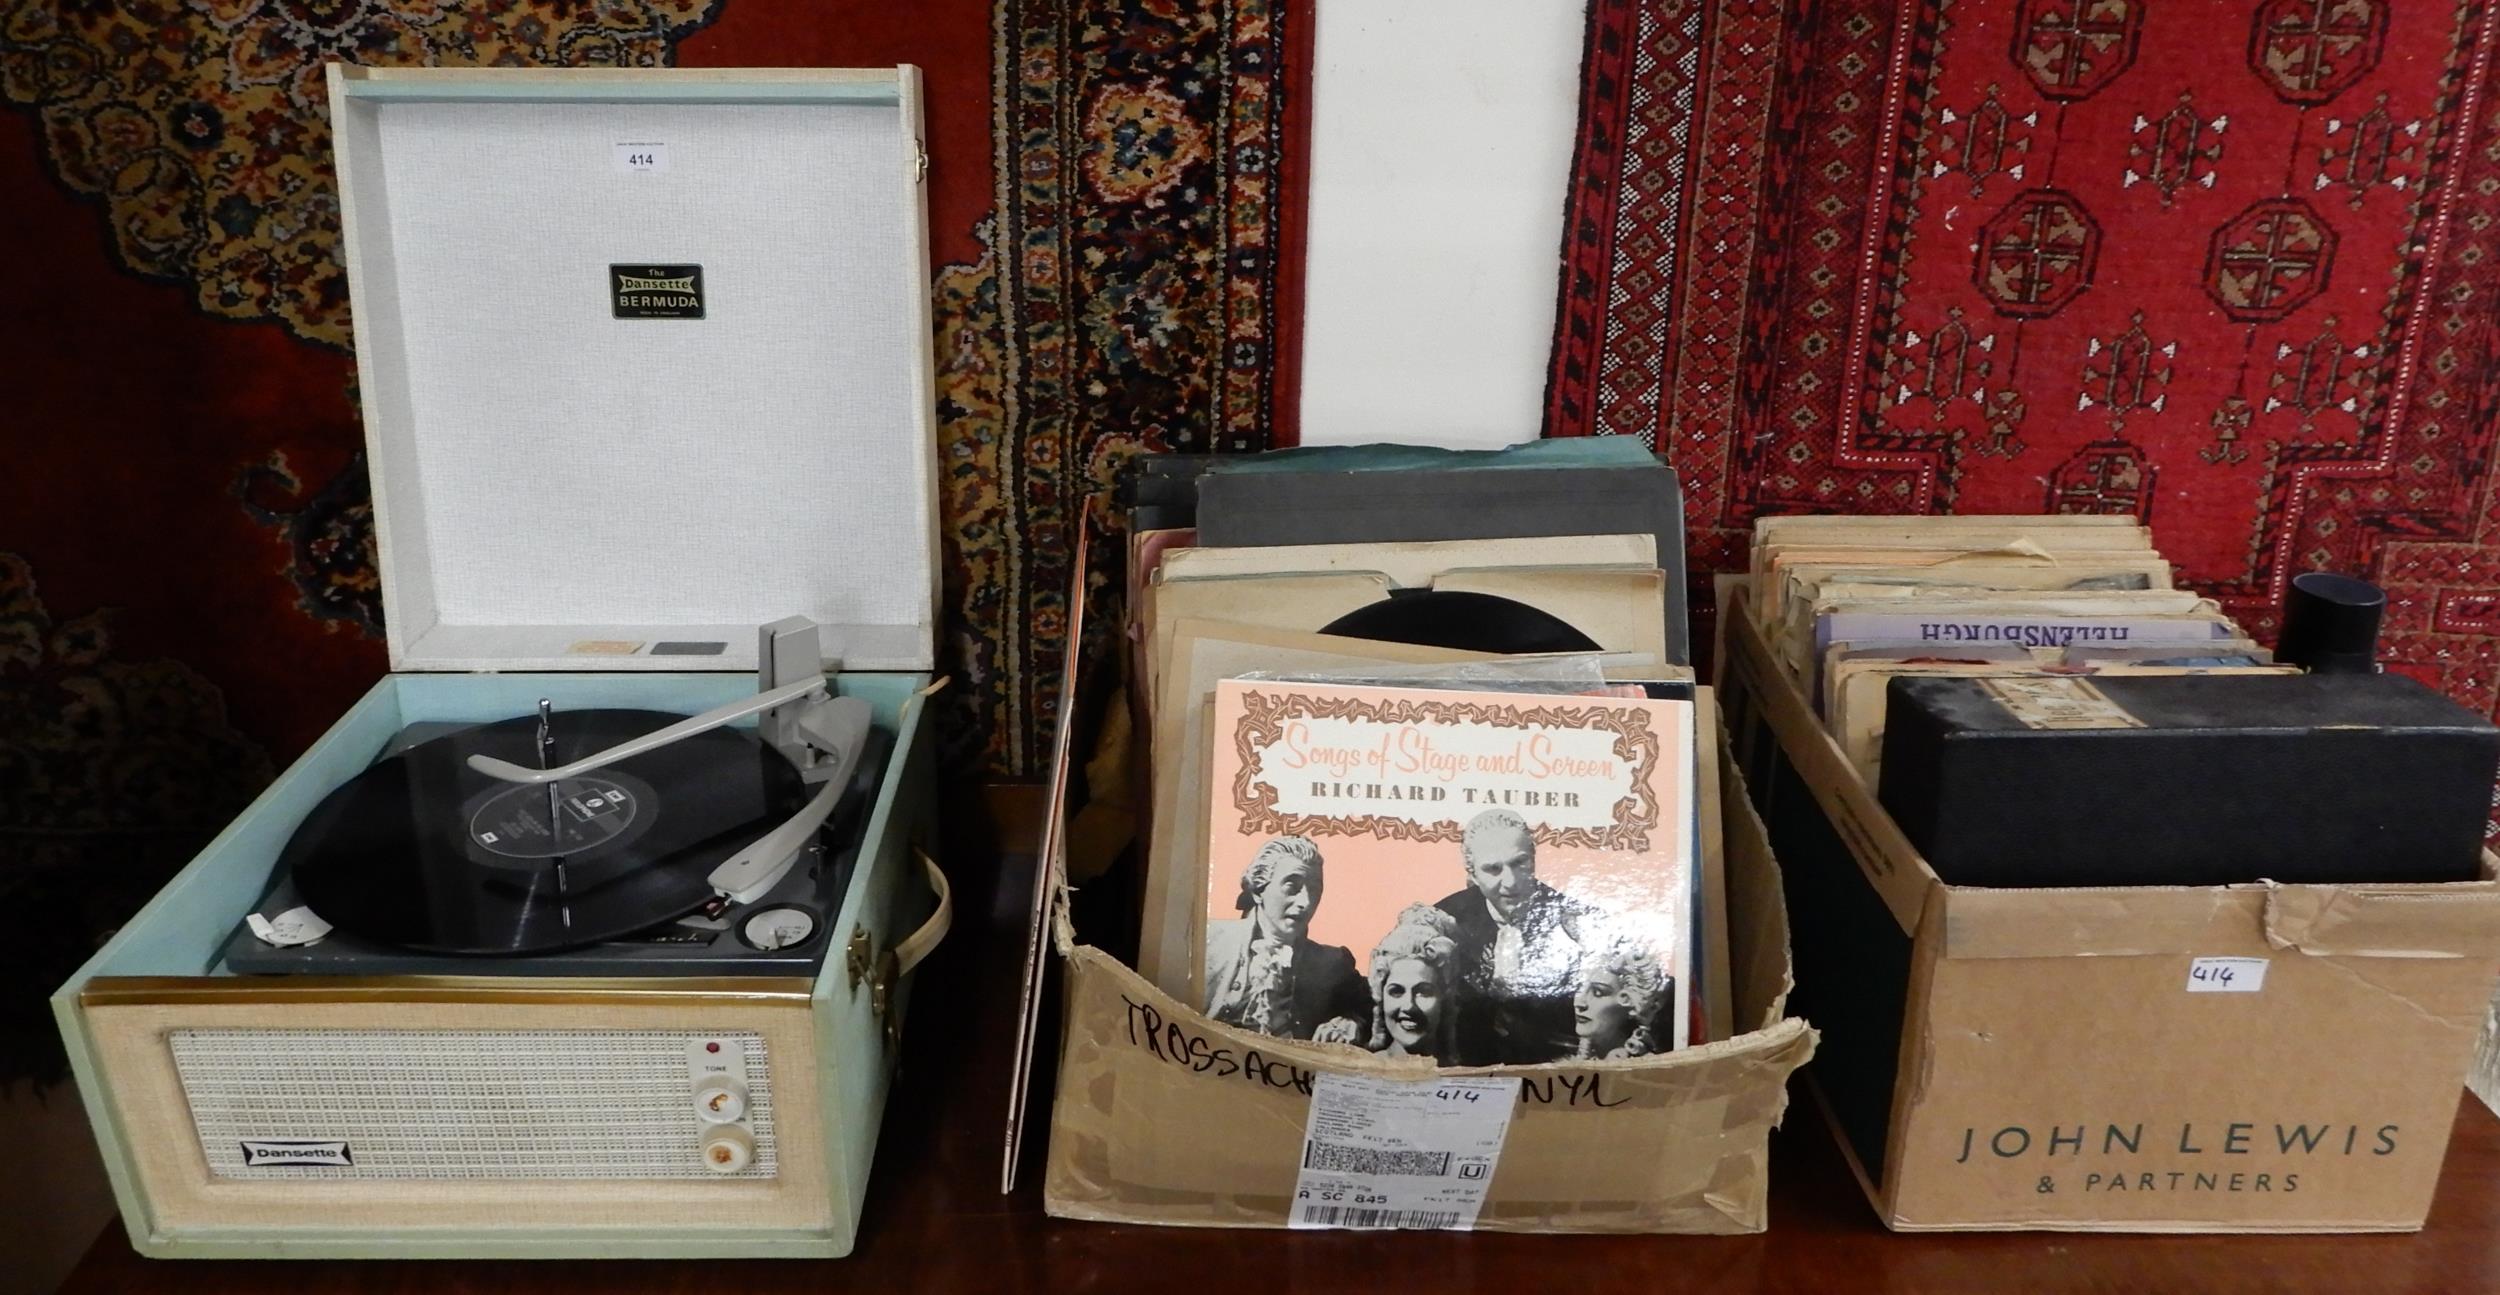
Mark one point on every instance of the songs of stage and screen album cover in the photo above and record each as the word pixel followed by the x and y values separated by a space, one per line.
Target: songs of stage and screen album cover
pixel 1477 877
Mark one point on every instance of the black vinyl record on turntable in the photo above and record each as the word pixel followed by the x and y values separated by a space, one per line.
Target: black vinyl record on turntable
pixel 424 852
pixel 425 862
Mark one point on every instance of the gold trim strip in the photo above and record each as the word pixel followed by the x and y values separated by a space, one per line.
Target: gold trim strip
pixel 126 991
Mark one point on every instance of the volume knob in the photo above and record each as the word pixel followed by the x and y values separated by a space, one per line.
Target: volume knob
pixel 728 1149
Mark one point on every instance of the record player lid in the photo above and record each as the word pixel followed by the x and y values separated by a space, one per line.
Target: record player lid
pixel 644 357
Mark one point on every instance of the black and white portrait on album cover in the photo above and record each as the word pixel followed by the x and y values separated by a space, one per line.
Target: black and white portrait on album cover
pixel 1505 970
pixel 1536 916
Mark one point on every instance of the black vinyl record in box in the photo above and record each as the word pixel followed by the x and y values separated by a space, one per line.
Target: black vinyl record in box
pixel 2187 781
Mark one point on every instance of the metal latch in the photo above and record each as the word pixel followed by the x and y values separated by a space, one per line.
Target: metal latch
pixel 881 999
pixel 920 162
pixel 860 956
pixel 863 963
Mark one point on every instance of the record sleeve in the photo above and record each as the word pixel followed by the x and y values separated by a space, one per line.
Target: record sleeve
pixel 1480 877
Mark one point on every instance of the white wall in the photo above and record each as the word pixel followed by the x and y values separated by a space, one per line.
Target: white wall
pixel 1441 134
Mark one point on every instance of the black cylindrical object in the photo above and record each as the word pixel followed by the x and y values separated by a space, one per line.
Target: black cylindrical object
pixel 2330 624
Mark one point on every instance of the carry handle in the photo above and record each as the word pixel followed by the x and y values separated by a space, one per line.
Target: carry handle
pixel 912 949
pixel 884 972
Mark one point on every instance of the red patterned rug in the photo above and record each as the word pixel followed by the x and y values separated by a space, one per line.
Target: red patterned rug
pixel 1124 151
pixel 186 587
pixel 186 479
pixel 2229 267
pixel 1131 288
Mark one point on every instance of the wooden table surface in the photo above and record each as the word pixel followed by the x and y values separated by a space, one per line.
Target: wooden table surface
pixel 936 1221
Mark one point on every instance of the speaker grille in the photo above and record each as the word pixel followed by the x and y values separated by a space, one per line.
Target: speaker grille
pixel 453 1104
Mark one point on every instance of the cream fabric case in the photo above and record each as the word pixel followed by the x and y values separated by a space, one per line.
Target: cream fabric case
pixel 552 481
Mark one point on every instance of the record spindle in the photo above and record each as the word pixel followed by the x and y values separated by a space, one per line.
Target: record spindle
pixel 555 827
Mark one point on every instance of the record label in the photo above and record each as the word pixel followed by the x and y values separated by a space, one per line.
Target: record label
pixel 526 822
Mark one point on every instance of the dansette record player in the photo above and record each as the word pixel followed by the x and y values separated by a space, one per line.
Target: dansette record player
pixel 586 931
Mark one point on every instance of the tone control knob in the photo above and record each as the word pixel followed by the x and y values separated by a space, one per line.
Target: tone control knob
pixel 728 1149
pixel 720 1099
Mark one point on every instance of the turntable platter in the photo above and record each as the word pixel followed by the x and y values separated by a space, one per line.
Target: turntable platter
pixel 423 852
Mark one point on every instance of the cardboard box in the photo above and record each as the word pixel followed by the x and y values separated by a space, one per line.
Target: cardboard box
pixel 1163 1116
pixel 2257 1058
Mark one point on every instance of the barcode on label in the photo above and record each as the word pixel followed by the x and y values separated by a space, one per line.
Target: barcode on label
pixel 1380 1154
pixel 1370 1160
pixel 1339 1216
